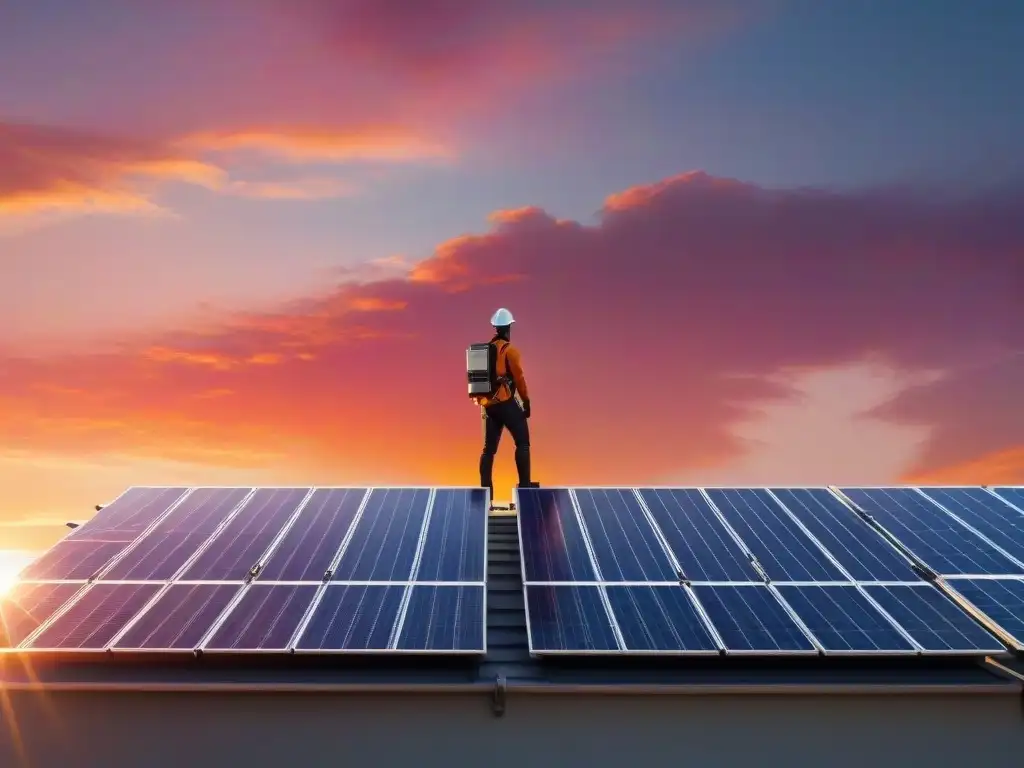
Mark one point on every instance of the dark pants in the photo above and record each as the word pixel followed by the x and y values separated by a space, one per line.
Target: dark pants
pixel 505 415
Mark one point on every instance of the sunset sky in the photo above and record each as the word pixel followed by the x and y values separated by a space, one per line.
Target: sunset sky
pixel 248 241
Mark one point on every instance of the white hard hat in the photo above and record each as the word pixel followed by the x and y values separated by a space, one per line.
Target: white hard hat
pixel 502 317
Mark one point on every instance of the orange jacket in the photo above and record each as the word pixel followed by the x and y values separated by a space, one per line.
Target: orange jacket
pixel 509 363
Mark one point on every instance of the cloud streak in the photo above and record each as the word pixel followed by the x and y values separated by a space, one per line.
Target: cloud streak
pixel 648 337
pixel 51 169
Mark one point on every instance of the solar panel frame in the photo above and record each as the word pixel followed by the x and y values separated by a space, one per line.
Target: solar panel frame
pixel 935 489
pixel 213 540
pixel 29 646
pixel 270 571
pixel 199 547
pixel 1011 494
pixel 323 585
pixel 164 585
pixel 848 589
pixel 950 585
pixel 923 588
pixel 908 549
pixel 115 645
pixel 847 579
pixel 890 548
pixel 75 589
pixel 825 560
pixel 75 536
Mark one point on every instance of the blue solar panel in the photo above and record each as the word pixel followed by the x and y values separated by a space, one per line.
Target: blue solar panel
pixel 176 538
pixel 27 606
pixel 1014 494
pixel 844 621
pixel 179 619
pixel 265 619
pixel 88 549
pixel 1001 601
pixel 935 622
pixel 565 619
pixel 551 542
pixel 240 545
pixel 94 618
pixel 784 551
pixel 750 619
pixel 353 618
pixel 444 618
pixel 662 619
pixel 860 549
pixel 308 549
pixel 701 543
pixel 935 538
pixel 385 538
pixel 454 548
pixel 625 546
pixel 986 513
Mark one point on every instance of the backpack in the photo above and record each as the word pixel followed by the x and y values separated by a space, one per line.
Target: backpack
pixel 482 370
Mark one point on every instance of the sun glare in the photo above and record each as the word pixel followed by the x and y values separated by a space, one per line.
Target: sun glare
pixel 11 563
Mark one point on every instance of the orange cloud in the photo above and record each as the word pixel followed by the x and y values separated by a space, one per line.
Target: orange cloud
pixel 1004 467
pixel 647 337
pixel 384 143
pixel 54 170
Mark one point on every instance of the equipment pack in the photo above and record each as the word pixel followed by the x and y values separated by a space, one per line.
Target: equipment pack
pixel 482 370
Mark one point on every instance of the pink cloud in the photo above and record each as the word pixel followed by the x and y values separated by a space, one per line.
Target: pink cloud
pixel 647 337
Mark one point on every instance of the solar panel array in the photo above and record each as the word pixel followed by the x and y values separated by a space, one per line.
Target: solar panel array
pixel 970 539
pixel 261 570
pixel 760 571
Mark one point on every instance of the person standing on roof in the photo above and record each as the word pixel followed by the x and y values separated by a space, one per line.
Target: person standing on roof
pixel 502 409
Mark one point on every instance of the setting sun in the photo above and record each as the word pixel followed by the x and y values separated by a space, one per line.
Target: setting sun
pixel 11 563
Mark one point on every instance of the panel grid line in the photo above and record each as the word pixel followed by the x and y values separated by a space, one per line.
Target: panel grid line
pixel 403 608
pixel 814 539
pixel 216 532
pixel 612 619
pixel 142 536
pixel 971 528
pixel 272 547
pixel 751 557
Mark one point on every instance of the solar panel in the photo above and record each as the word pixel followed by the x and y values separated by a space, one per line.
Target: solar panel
pixel 353 618
pixel 91 547
pixel 455 544
pixel 750 619
pixel 985 514
pixel 239 546
pixel 661 619
pixel 932 620
pixel 551 538
pixel 178 619
pixel 1014 494
pixel 761 571
pixel 857 547
pixel 444 619
pixel 701 543
pixel 385 538
pixel 624 545
pixel 784 552
pixel 568 619
pixel 844 621
pixel 244 570
pixel 308 548
pixel 1000 602
pixel 27 606
pixel 95 618
pixel 265 619
pixel 934 537
pixel 172 542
